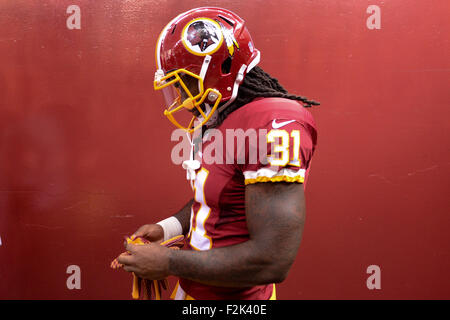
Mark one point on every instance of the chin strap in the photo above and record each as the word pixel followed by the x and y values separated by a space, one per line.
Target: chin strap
pixel 212 120
pixel 191 165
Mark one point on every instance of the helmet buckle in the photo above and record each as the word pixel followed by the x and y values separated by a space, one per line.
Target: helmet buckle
pixel 212 96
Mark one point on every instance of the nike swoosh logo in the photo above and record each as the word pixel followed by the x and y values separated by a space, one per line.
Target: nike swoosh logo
pixel 276 125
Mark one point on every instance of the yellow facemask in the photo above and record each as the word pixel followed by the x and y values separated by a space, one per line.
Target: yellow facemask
pixel 183 89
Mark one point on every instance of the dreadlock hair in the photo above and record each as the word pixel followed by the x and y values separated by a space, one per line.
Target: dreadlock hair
pixel 258 83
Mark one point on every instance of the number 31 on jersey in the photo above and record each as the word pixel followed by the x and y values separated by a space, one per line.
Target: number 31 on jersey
pixel 281 149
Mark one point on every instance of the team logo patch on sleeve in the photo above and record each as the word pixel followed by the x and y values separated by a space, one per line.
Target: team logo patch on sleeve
pixel 202 36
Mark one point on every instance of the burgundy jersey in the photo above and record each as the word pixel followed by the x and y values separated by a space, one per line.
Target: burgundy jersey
pixel 267 140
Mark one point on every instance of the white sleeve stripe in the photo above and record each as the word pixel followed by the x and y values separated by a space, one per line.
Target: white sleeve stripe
pixel 268 173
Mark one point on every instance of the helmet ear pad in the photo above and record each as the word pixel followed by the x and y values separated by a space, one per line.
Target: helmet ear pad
pixel 226 65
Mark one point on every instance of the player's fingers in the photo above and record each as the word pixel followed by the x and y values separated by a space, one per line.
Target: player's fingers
pixel 129 268
pixel 125 259
pixel 138 233
pixel 131 247
pixel 141 232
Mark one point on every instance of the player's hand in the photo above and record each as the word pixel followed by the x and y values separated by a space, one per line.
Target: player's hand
pixel 148 261
pixel 151 232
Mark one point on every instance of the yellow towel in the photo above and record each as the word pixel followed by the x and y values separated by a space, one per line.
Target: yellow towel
pixel 149 287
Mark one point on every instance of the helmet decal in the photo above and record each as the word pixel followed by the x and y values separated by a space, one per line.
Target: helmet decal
pixel 230 40
pixel 202 36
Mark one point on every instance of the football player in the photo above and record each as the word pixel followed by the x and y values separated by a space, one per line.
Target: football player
pixel 244 224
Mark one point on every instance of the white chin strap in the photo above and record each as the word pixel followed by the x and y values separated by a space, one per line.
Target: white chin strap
pixel 207 111
pixel 191 165
pixel 204 69
pixel 202 74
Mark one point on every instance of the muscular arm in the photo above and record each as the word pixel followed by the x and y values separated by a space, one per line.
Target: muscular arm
pixel 275 217
pixel 184 216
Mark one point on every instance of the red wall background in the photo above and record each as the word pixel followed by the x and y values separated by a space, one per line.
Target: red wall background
pixel 85 149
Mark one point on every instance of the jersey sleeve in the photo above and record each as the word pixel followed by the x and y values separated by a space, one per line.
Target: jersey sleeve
pixel 285 149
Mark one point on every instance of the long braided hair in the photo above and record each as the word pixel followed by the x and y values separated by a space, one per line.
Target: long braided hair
pixel 258 83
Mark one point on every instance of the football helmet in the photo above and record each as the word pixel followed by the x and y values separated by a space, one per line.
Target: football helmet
pixel 202 56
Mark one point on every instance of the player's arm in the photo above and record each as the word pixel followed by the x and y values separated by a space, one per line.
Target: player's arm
pixel 275 213
pixel 184 216
pixel 275 218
